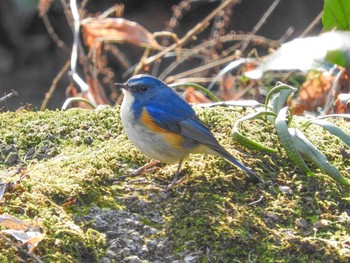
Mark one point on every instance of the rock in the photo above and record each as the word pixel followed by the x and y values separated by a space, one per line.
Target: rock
pixel 133 259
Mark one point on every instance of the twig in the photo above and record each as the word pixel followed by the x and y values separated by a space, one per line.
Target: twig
pixel 13 93
pixel 195 79
pixel 260 23
pixel 332 92
pixel 84 87
pixel 202 68
pixel 200 26
pixel 262 41
pixel 53 85
pixel 234 103
pixel 312 24
pixel 257 201
pixel 53 34
pixel 286 35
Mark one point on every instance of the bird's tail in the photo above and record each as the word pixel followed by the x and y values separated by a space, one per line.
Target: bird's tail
pixel 234 161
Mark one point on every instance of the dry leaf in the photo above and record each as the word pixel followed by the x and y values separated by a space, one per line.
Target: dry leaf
pixel 313 93
pixel 193 96
pixel 28 234
pixel 227 87
pixel 14 223
pixel 34 241
pixel 117 30
pixel 342 104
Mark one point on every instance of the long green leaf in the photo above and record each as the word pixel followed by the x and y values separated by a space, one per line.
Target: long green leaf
pixel 287 141
pixel 245 140
pixel 279 95
pixel 335 130
pixel 308 150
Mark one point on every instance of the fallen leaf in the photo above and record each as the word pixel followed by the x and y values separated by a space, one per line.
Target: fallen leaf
pixel 28 234
pixel 14 223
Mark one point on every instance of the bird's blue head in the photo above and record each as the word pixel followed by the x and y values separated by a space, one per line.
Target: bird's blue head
pixel 145 89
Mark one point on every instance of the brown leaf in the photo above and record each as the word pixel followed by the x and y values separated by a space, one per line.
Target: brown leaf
pixel 14 223
pixel 193 96
pixel 34 241
pixel 342 104
pixel 227 87
pixel 118 30
pixel 24 232
pixel 313 92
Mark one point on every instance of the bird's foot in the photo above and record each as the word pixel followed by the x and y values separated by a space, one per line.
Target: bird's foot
pixel 174 183
pixel 146 168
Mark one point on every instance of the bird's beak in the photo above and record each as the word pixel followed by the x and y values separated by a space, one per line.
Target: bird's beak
pixel 121 86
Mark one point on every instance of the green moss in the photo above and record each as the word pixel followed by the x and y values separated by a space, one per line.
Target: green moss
pixel 72 158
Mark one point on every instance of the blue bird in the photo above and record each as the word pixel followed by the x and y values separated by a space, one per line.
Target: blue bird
pixel 164 127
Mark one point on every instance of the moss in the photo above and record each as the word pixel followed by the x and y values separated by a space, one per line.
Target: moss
pixel 71 160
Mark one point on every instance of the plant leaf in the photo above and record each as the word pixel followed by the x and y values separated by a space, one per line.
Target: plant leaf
pixel 336 15
pixel 335 130
pixel 308 150
pixel 307 53
pixel 279 95
pixel 287 141
pixel 245 141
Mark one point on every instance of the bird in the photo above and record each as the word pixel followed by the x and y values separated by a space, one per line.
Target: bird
pixel 164 127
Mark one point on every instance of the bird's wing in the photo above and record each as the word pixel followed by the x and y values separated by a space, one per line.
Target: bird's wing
pixel 185 123
pixel 194 131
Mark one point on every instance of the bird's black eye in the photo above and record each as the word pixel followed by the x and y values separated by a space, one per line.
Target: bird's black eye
pixel 143 88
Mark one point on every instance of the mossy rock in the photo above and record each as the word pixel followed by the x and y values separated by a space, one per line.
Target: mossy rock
pixel 64 169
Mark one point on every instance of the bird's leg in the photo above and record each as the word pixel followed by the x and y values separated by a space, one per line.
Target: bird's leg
pixel 175 181
pixel 139 170
pixel 144 168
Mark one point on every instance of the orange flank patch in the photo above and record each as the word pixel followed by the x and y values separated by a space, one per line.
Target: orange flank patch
pixel 172 138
